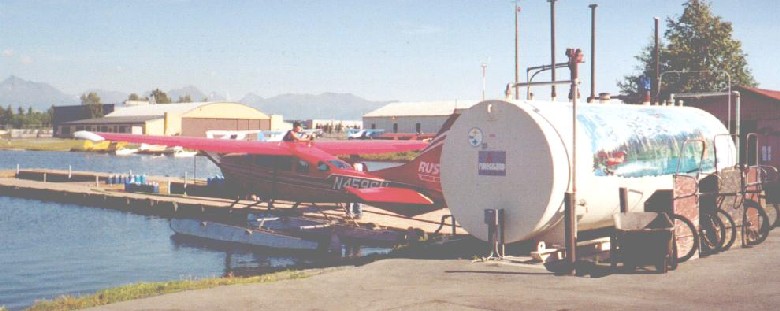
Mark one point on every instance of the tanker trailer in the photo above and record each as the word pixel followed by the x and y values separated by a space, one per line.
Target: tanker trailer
pixel 516 156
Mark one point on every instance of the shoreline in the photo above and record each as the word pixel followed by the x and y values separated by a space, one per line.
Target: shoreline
pixel 740 279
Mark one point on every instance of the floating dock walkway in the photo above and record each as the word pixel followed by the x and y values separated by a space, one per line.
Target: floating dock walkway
pixel 91 189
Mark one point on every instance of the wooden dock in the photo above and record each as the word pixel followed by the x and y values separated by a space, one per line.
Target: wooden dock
pixel 90 189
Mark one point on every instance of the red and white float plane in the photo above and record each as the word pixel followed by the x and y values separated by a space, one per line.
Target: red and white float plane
pixel 310 171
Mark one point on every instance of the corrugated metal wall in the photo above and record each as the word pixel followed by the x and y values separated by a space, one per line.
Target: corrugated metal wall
pixel 197 127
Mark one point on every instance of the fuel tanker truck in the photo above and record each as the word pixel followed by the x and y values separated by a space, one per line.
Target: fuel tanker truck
pixel 517 156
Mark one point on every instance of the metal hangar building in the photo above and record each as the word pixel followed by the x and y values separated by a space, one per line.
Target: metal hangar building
pixel 414 117
pixel 187 119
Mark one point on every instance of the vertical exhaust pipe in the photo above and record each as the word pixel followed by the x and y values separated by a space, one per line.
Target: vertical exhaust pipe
pixel 553 95
pixel 592 52
pixel 517 51
pixel 656 86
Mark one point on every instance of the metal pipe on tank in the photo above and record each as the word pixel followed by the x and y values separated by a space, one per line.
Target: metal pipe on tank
pixel 737 125
pixel 592 52
pixel 570 230
pixel 656 84
pixel 517 51
pixel 728 122
pixel 553 95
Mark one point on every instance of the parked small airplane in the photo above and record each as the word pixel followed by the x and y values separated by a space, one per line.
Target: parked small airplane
pixel 310 172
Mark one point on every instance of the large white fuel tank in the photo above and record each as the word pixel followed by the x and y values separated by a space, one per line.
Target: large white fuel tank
pixel 517 156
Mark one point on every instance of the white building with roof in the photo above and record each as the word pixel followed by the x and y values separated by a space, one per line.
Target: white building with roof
pixel 185 119
pixel 414 117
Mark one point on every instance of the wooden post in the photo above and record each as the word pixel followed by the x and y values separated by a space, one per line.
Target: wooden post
pixel 570 230
pixel 623 195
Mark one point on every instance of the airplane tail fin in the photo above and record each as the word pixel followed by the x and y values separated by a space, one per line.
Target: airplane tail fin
pixel 423 172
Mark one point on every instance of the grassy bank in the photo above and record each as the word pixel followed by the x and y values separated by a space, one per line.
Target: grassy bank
pixel 144 290
pixel 461 248
pixel 40 144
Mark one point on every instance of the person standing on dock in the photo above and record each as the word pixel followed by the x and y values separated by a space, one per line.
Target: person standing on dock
pixel 354 209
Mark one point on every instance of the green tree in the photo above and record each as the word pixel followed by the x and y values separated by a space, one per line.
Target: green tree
pixel 49 116
pixel 697 42
pixel 9 114
pixel 185 99
pixel 133 96
pixel 160 97
pixel 8 118
pixel 92 100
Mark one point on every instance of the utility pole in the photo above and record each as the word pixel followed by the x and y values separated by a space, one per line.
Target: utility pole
pixel 484 67
pixel 656 86
pixel 553 95
pixel 592 52
pixel 517 50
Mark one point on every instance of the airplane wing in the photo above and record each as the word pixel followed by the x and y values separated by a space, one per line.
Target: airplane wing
pixel 260 147
pixel 390 195
pixel 197 143
pixel 369 146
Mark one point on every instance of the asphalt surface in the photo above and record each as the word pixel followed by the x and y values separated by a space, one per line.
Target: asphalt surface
pixel 739 279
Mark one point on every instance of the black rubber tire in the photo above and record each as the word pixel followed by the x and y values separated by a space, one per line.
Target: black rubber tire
pixel 712 232
pixel 776 221
pixel 684 230
pixel 757 226
pixel 731 229
pixel 673 258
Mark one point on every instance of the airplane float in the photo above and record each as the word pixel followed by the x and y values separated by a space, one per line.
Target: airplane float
pixel 310 172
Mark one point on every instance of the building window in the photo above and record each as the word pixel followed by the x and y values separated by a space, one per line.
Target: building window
pixel 417 128
pixel 395 127
pixel 373 126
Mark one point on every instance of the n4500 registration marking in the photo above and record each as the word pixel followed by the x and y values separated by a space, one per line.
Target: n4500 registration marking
pixel 340 182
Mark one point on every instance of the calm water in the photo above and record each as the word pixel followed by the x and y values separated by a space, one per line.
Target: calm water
pixel 86 161
pixel 50 249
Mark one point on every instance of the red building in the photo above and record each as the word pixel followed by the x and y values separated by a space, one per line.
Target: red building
pixel 759 113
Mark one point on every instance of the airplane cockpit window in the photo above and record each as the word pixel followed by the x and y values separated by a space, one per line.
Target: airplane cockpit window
pixel 303 167
pixel 284 163
pixel 279 162
pixel 340 164
pixel 265 161
pixel 323 167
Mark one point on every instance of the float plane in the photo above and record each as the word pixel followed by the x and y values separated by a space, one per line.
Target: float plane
pixel 310 171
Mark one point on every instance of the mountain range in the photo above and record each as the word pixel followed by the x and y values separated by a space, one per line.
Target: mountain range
pixel 17 92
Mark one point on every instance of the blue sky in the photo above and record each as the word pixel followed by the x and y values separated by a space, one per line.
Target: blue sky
pixel 380 50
